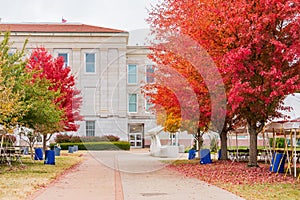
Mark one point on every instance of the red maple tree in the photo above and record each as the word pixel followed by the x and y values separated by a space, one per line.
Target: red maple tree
pixel 62 80
pixel 180 89
pixel 254 44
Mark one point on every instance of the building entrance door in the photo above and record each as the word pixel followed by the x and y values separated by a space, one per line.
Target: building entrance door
pixel 136 140
pixel 136 135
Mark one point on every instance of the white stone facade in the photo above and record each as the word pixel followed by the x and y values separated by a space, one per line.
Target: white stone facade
pixel 107 89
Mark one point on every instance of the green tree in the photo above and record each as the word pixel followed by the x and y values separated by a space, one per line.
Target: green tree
pixel 44 115
pixel 12 76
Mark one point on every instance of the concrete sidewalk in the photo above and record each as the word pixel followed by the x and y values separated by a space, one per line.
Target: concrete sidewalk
pixel 134 175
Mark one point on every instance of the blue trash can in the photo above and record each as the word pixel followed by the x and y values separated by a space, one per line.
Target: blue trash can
pixel 278 161
pixel 71 149
pixel 49 157
pixel 57 151
pixel 38 154
pixel 192 154
pixel 75 148
pixel 205 156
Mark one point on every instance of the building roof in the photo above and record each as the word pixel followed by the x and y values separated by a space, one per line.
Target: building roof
pixel 55 28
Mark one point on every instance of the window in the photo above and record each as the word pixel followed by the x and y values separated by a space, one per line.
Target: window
pixel 147 104
pixel 90 63
pixel 149 74
pixel 132 74
pixel 90 128
pixel 66 59
pixel 132 103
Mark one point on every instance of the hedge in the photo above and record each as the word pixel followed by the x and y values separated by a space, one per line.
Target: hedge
pixel 65 138
pixel 122 145
pixel 279 142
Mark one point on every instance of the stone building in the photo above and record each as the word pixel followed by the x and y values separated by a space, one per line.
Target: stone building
pixel 108 71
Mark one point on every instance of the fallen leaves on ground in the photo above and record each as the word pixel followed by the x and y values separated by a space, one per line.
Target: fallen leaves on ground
pixel 228 172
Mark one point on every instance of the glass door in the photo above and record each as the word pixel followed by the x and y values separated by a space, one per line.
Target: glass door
pixel 136 135
pixel 136 140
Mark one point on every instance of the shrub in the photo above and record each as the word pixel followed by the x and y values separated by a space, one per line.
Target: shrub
pixel 75 139
pixel 112 138
pixel 121 145
pixel 105 138
pixel 63 138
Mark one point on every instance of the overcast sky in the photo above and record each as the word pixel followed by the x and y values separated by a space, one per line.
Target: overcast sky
pixel 128 15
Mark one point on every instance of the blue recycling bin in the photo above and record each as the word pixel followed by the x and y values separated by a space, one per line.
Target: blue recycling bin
pixel 38 154
pixel 205 156
pixel 75 147
pixel 71 149
pixel 192 154
pixel 57 150
pixel 277 163
pixel 49 157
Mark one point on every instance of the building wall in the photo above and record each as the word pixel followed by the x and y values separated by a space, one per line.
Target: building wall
pixel 105 92
pixel 137 55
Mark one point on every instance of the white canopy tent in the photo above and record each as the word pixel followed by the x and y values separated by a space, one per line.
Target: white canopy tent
pixel 281 127
pixel 290 123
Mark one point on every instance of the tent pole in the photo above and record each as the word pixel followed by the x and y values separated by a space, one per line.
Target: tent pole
pixel 295 153
pixel 237 147
pixel 2 137
pixel 287 154
pixel 274 140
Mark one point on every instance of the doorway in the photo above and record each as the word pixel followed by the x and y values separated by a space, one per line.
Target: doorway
pixel 136 135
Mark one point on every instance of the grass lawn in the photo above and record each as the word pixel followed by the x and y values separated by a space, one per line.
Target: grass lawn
pixel 19 181
pixel 236 177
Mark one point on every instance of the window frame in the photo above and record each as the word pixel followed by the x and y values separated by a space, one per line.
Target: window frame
pixel 136 74
pixel 85 62
pixel 88 128
pixel 136 103
pixel 66 64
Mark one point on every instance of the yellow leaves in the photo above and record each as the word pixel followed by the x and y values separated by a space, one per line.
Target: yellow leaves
pixel 9 102
pixel 172 123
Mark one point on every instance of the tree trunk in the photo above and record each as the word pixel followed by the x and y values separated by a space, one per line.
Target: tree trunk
pixel 44 142
pixel 200 142
pixel 253 145
pixel 31 152
pixel 223 137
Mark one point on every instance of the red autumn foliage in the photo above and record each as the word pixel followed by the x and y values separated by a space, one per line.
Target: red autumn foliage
pixel 254 44
pixel 228 172
pixel 62 80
